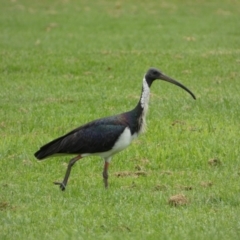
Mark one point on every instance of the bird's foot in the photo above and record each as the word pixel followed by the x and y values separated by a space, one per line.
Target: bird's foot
pixel 62 185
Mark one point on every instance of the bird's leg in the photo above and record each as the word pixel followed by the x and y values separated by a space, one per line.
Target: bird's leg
pixel 63 184
pixel 105 174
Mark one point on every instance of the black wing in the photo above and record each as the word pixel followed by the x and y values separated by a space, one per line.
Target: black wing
pixel 97 136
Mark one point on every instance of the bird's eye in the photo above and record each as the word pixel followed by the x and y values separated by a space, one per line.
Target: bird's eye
pixel 154 72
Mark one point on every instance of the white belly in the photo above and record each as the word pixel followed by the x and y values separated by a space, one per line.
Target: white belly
pixel 123 141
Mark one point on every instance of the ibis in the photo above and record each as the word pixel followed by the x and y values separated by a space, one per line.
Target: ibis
pixel 107 136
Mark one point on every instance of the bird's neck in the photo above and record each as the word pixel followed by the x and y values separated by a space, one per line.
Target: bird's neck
pixel 142 106
pixel 144 99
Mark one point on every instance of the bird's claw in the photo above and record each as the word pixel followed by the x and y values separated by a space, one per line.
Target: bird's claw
pixel 62 185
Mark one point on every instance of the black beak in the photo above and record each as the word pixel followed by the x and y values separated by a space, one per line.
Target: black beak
pixel 168 79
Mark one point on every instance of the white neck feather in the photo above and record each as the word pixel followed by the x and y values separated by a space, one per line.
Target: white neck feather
pixel 145 94
pixel 144 104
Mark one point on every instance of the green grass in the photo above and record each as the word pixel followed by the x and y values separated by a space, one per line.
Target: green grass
pixel 64 63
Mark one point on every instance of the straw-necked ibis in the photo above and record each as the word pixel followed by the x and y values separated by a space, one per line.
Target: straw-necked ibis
pixel 106 136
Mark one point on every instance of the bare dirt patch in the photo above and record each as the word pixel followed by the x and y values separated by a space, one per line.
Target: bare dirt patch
pixel 206 184
pixel 178 200
pixel 130 174
pixel 186 188
pixel 160 187
pixel 166 173
pixel 214 162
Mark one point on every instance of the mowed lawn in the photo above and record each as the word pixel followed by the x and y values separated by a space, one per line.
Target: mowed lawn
pixel 64 63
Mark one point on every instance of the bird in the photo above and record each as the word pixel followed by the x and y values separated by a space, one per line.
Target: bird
pixel 106 136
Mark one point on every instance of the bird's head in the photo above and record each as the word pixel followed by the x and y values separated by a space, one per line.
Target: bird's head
pixel 154 74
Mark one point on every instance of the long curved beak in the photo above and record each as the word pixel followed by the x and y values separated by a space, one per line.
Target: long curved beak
pixel 168 79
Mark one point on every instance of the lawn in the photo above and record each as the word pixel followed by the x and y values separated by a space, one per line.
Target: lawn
pixel 64 63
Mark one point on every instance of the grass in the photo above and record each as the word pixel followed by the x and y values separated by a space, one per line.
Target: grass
pixel 64 63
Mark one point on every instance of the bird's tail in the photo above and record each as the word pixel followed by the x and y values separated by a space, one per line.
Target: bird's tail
pixel 40 154
pixel 48 149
